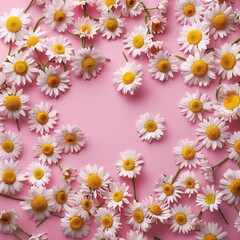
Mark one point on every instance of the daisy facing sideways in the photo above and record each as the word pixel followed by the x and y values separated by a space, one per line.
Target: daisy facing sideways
pixel 233 146
pixel 105 6
pixel 8 221
pixel 131 8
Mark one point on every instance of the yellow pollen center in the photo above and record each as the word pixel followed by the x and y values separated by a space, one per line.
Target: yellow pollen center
pixel 228 61
pixel 68 174
pixel 12 103
pixel 85 29
pixel 89 63
pixel 180 218
pixel 190 183
pixel 117 196
pixel 235 187
pixel 210 237
pixel 109 3
pixel 168 189
pixel 38 173
pixel 7 146
pixel 194 36
pixel 154 50
pixel 6 218
pixel 20 68
pixel 53 81
pixel 213 132
pixel 9 177
pixel 237 146
pixel 189 10
pixel 86 204
pixel 151 126
pixel 13 24
pixel 59 16
pixel 94 181
pixel 188 153
pixel 128 78
pixel 196 106
pixel 155 209
pixel 39 204
pixel 231 101
pixel 42 118
pixel 128 164
pixel 138 216
pixel 32 41
pixel 59 48
pixel 70 138
pixel 76 223
pixel 61 197
pixel 131 3
pixel 138 41
pixel 107 221
pixel 199 68
pixel 164 65
pixel 210 198
pixel 111 25
pixel 220 21
pixel 47 149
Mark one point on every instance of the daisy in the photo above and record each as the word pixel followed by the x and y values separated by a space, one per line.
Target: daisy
pixel 108 221
pixel 157 23
pixel 41 118
pixel 100 234
pixel 220 19
pixel 13 26
pixel 129 164
pixel 189 11
pixel 128 78
pixel 197 223
pixel 38 174
pixel 11 146
pixel 38 236
pixel 87 62
pixel 181 218
pixel 210 199
pixel 136 235
pixel 58 15
pixel 207 171
pixel 136 216
pixel 194 37
pixel 69 174
pixel 194 105
pixel 237 223
pixel 93 180
pixel 70 138
pixel 163 65
pixel 150 126
pixel 132 8
pixel 82 3
pixel 231 186
pixel 228 60
pixel 1 124
pixel 154 47
pixel 8 221
pixel 212 133
pixel 199 69
pixel 136 41
pixel 107 5
pixel 234 146
pixel 236 16
pixel 46 149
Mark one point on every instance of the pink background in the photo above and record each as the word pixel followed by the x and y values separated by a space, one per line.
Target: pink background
pixel 108 119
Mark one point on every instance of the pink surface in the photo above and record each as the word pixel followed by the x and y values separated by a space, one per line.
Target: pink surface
pixel 108 119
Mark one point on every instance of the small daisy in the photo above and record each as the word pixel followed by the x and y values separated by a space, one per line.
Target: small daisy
pixel 87 63
pixel 157 23
pixel 11 146
pixel 47 149
pixel 181 218
pixel 8 221
pixel 199 69
pixel 197 223
pixel 194 105
pixel 38 236
pixel 70 138
pixel 234 146
pixel 53 81
pixel 150 126
pixel 194 37
pixel 107 5
pixel 13 26
pixel 69 174
pixel 154 47
pixel 38 174
pixel 58 15
pixel 137 40
pixel 82 3
pixel 212 133
pixel 236 16
pixel 128 78
pixel 132 8
pixel 207 171
pixel 231 186
pixel 136 235
pixel 237 223
pixel 220 19
pixel 163 65
pixel 129 164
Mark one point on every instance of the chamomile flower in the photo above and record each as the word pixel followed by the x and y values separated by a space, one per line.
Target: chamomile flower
pixel 129 164
pixel 38 174
pixel 58 15
pixel 41 118
pixel 197 223
pixel 136 235
pixel 194 37
pixel 8 221
pixel 107 5
pixel 136 41
pixel 11 177
pixel 207 170
pixel 236 16
pixel 128 78
pixel 163 65
pixel 237 223
pixel 13 26
pixel 231 186
pixel 11 146
pixel 150 126
pixel 131 7
pixel 69 174
pixel 154 47
pixel 234 146
pixel 157 23
pixel 53 81
pixel 194 105
pixel 83 2
pixel 46 149
pixel 87 63
pixel 70 138
pixel 100 234
pixel 38 236
pixel 212 133
pixel 199 69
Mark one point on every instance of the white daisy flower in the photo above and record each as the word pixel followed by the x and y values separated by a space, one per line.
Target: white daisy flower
pixel 236 16
pixel 11 177
pixel 100 234
pixel 39 2
pixel 58 15
pixel 129 164
pixel 207 171
pixel 69 174
pixel 194 105
pixel 136 41
pixel 231 186
pixel 181 218
pixel 70 138
pixel 128 78
pixel 107 5
pixel 46 149
pixel 237 223
pixel 199 69
pixel 83 3
pixel 162 6
pixel 136 216
pixel 194 37
pixel 87 63
pixel 212 133
pixel 108 221
pixel 157 23
pixel 8 221
pixel 197 223
pixel 233 146
pixel 132 8
pixel 13 26
pixel 38 174
pixel 154 47
pixel 150 126
pixel 11 146
pixel 41 118
pixel 136 235
pixel 93 180
pixel 228 60
pixel 38 236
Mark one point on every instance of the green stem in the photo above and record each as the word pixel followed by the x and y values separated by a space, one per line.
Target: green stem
pixel 222 215
pixel 17 122
pixel 220 81
pixel 39 58
pixel 10 48
pixel 23 231
pixel 60 167
pixel 125 56
pixel 41 222
pixel 200 213
pixel 64 66
pixel 220 163
pixel 16 236
pixel 85 10
pixel 146 10
pixel 238 165
pixel 210 49
pixel 11 197
pixel 37 23
pixel 134 189
pixel 156 238
pixel 29 5
pixel 83 42
pixel 75 35
pixel 151 8
pixel 236 209
pixel 176 175
pixel 236 41
pixel 217 93
pixel 182 58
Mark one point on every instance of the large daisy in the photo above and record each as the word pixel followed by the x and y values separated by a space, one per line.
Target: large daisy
pixel 8 221
pixel 234 146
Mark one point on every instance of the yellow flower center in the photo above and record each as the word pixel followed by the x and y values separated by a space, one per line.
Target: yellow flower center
pixel 210 198
pixel 220 21
pixel 38 173
pixel 151 126
pixel 85 29
pixel 213 132
pixel 42 118
pixel 76 223
pixel 47 149
pixel 86 204
pixel 32 41
pixel 6 218
pixel 131 3
pixel 109 3
pixel 194 36
pixel 164 65
pixel 128 78
pixel 107 221
pixel 53 81
pixel 13 24
pixel 59 48
pixel 111 25
pixel 9 177
pixel 168 189
pixel 59 16
pixel 199 68
pixel 68 174
pixel 231 101
pixel 7 146
pixel 237 146
pixel 196 106
pixel 117 196
pixel 138 216
pixel 180 218
pixel 61 197
pixel 70 138
pixel 189 183
pixel 228 61
pixel 39 203
pixel 94 181
pixel 12 103
pixel 128 164
pixel 156 26
pixel 154 50
pixel 138 41
pixel 89 63
pixel 20 68
pixel 235 187
pixel 188 153
pixel 189 10
pixel 155 209
pixel 210 237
